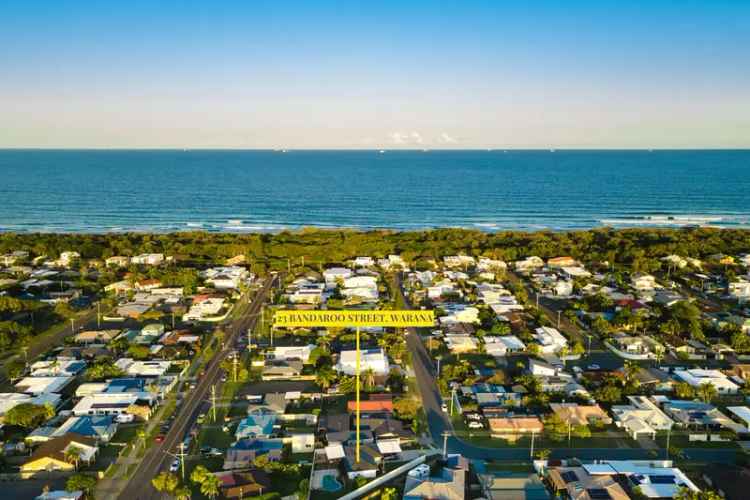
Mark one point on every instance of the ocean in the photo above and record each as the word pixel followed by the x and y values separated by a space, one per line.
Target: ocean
pixel 250 191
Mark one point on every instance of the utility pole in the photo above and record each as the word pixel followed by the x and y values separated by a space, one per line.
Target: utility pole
pixel 213 402
pixel 588 353
pixel 531 454
pixel 453 396
pixel 99 314
pixel 669 432
pixel 569 431
pixel 445 443
pixel 172 320
pixel 537 299
pixel 558 318
pixel 73 325
pixel 438 364
pixel 234 368
pixel 182 459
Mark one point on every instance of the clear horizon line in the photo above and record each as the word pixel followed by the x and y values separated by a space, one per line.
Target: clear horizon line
pixel 375 149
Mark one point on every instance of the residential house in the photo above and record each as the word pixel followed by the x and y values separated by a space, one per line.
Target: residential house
pixel 528 264
pixel 148 259
pixel 697 377
pixel 451 482
pixel 282 369
pixel 243 484
pixel 51 456
pixel 576 414
pixel 99 427
pixel 255 426
pixel 503 345
pixel 243 452
pixel 643 282
pixel 641 418
pixel 301 353
pixel 370 359
pixel 549 339
pixel 560 262
pixel 512 428
pixel 458 344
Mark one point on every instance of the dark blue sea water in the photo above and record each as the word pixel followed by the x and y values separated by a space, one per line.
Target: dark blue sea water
pixel 100 191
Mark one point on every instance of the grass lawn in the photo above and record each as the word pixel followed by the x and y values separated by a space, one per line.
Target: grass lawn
pixel 484 439
pixel 679 440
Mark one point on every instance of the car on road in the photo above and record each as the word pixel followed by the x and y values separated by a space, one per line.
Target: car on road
pixel 444 407
pixel 175 465
pixel 475 425
pixel 159 438
pixel 593 367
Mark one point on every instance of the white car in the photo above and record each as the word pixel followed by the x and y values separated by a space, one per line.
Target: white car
pixel 175 465
pixel 444 407
pixel 475 425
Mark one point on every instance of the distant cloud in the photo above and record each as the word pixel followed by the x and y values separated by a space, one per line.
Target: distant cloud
pixel 447 139
pixel 401 138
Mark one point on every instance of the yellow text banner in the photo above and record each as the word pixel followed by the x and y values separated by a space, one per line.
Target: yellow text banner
pixel 350 319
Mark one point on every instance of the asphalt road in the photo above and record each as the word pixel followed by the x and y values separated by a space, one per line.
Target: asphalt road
pixel 439 423
pixel 157 458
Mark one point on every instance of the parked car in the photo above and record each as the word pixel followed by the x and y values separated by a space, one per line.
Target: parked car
pixel 159 438
pixel 124 418
pixel 175 465
pixel 475 425
pixel 444 407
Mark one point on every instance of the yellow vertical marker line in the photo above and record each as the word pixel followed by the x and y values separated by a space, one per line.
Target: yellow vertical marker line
pixel 357 375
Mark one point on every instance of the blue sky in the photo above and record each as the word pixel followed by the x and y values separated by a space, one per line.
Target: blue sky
pixel 375 74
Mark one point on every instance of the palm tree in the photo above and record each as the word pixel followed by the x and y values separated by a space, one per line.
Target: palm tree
pixel 182 493
pixel 707 392
pixel 165 482
pixel 141 434
pixel 369 379
pixel 210 486
pixel 325 378
pixel 199 474
pixel 73 455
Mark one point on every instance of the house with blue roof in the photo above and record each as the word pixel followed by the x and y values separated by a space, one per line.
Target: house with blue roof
pixel 255 426
pixel 242 453
pixel 99 427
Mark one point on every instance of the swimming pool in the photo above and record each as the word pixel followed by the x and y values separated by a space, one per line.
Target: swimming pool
pixel 330 483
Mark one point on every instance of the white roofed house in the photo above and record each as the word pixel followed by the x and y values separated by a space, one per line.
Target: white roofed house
pixel 503 345
pixel 460 313
pixel 143 368
pixel 643 282
pixel 459 261
pixel 549 339
pixel 370 359
pixel 148 259
pixel 563 288
pixel 226 277
pixel 642 417
pixel 68 258
pixel 492 265
pixel 739 289
pixel 528 264
pixel 697 377
pixel 336 276
pixel 364 262
pixel 117 261
pixel 461 343
pixel 204 309
pixel 443 288
pixel 301 353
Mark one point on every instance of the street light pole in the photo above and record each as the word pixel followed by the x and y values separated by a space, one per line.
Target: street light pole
pixel 531 453
pixel 445 443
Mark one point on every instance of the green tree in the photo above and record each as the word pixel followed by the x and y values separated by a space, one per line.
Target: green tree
pixel 165 482
pixel 182 493
pixel 81 482
pixel 684 390
pixel 210 486
pixel 26 415
pixel 199 474
pixel 73 455
pixel 325 377
pixel 707 392
pixel 389 493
